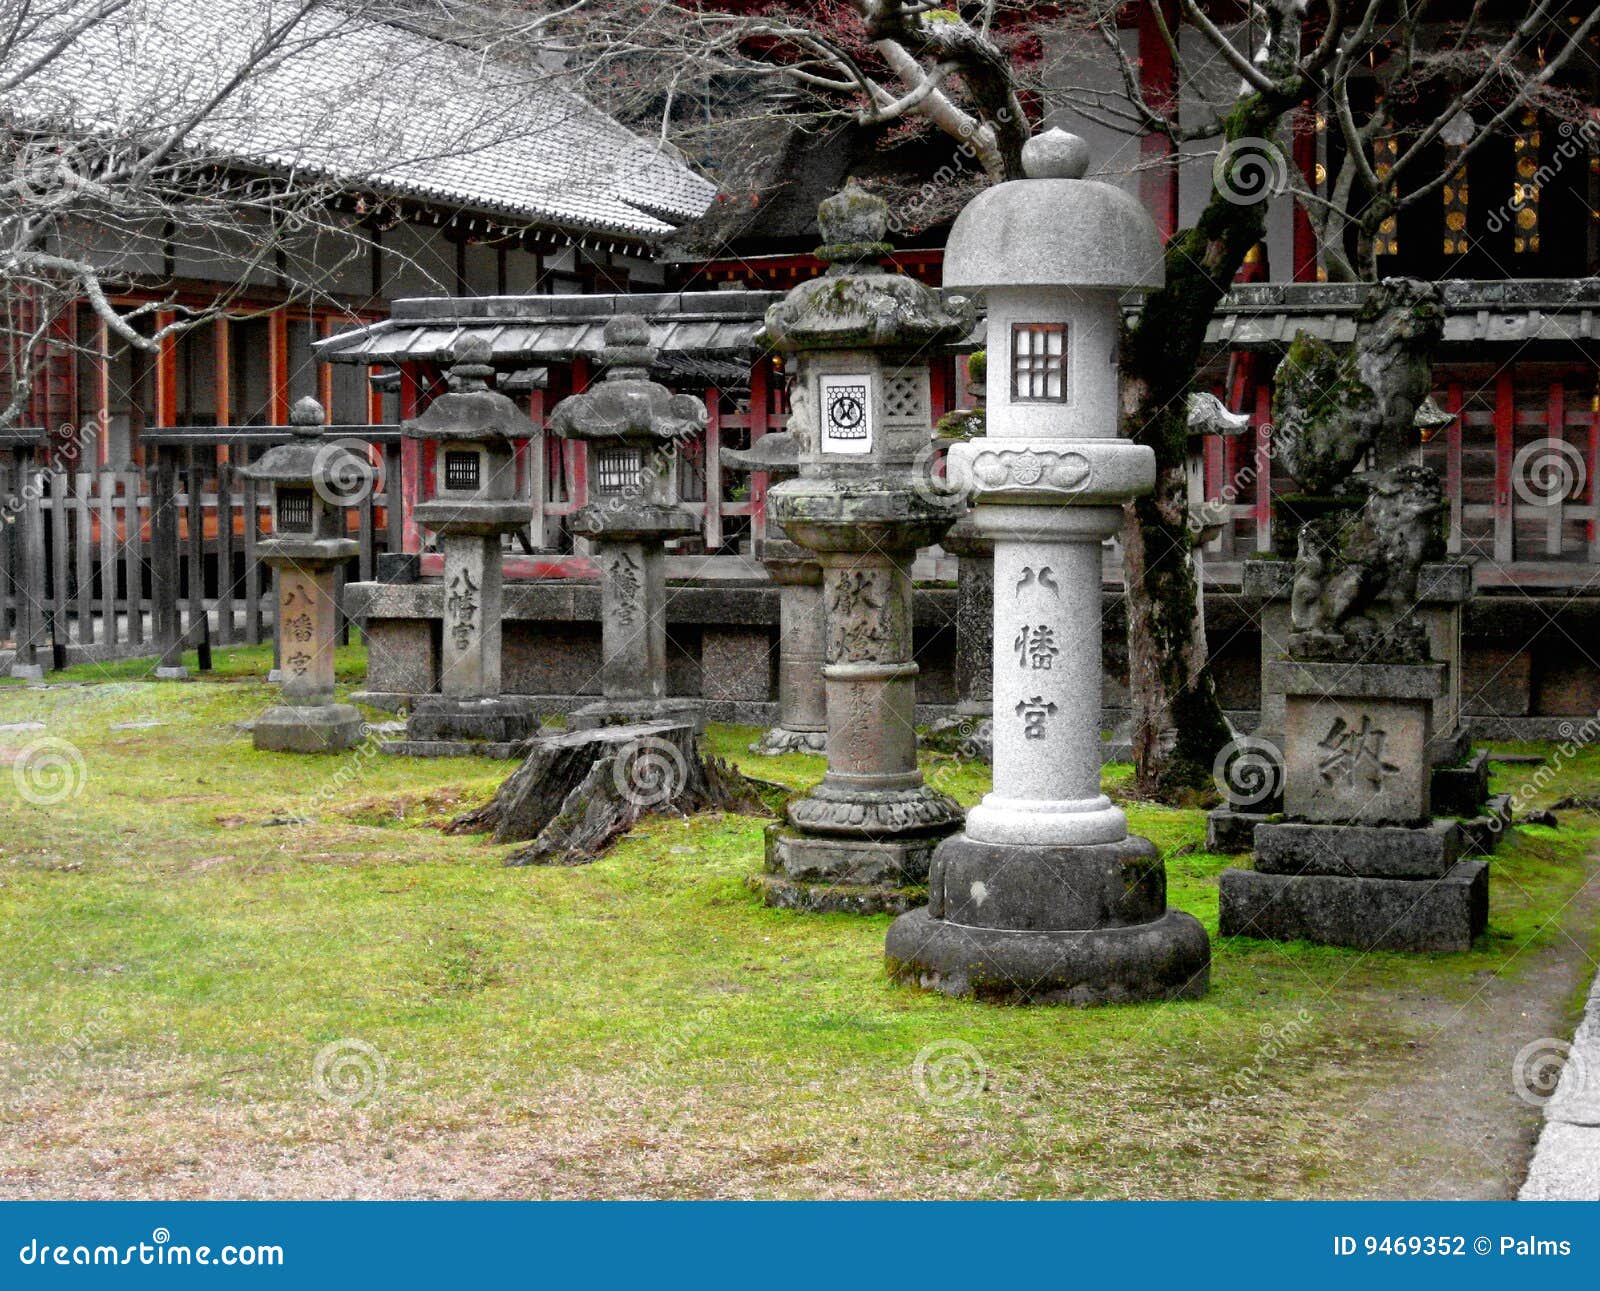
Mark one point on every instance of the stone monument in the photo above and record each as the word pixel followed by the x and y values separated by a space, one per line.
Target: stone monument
pixel 635 428
pixel 858 341
pixel 802 633
pixel 308 544
pixel 1045 897
pixel 1357 859
pixel 476 501
pixel 969 732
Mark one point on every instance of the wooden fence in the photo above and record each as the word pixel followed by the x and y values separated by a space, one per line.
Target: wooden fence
pixel 100 563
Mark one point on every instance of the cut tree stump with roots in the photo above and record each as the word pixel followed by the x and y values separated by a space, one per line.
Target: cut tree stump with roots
pixel 576 793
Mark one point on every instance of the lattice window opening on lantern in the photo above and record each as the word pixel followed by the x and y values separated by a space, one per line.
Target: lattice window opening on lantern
pixel 906 401
pixel 463 471
pixel 617 470
pixel 1039 362
pixel 294 510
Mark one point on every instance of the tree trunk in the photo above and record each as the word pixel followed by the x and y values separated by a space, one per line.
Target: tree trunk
pixel 575 794
pixel 1178 723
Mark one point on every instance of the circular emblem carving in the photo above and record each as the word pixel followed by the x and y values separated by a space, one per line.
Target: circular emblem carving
pixel 847 411
pixel 1027 468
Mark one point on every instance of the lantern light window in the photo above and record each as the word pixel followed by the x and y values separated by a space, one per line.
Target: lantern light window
pixel 294 510
pixel 1039 362
pixel 618 469
pixel 462 471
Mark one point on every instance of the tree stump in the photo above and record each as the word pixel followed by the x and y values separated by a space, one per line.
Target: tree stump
pixel 576 793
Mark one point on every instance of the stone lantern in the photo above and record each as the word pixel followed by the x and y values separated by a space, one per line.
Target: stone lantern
pixel 308 544
pixel 635 428
pixel 802 702
pixel 475 502
pixel 1044 896
pixel 859 341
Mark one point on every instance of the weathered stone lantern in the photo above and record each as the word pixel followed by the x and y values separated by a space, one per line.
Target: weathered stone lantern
pixel 308 543
pixel 635 428
pixel 860 340
pixel 802 637
pixel 475 501
pixel 1045 897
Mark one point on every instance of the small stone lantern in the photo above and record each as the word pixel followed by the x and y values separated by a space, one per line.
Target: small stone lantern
pixel 635 428
pixel 475 502
pixel 1044 897
pixel 308 544
pixel 859 341
pixel 802 636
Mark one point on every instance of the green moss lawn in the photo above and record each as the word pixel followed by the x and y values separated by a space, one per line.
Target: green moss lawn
pixel 178 952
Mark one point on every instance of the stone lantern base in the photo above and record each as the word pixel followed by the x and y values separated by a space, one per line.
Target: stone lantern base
pixel 309 728
pixel 1079 925
pixel 1360 862
pixel 468 726
pixel 840 875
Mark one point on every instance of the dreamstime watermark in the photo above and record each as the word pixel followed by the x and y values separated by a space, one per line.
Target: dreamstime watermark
pixel 1276 1043
pixel 62 451
pixel 78 1040
pixel 344 473
pixel 349 1071
pixel 1248 772
pixel 1548 1071
pixel 1548 471
pixel 649 772
pixel 1573 740
pixel 1250 170
pixel 903 214
pixel 352 766
pixel 49 771
pixel 948 1072
pixel 1575 138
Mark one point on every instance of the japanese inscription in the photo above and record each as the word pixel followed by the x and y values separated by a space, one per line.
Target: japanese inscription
pixel 1034 714
pixel 461 606
pixel 1036 647
pixel 1354 752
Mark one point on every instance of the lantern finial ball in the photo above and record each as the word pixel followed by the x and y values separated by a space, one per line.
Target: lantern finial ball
pixel 307 412
pixel 1055 154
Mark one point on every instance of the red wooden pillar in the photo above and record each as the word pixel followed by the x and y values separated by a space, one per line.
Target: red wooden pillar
pixel 1263 467
pixel 577 451
pixel 166 372
pixel 1556 429
pixel 1158 81
pixel 278 365
pixel 410 462
pixel 102 392
pixel 1505 414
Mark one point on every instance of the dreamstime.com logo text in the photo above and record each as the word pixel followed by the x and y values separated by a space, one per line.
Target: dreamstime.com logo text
pixel 160 1251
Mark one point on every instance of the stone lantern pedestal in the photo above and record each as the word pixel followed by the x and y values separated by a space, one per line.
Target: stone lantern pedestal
pixel 307 546
pixel 1044 897
pixel 802 632
pixel 1358 860
pixel 857 341
pixel 475 503
pixel 635 428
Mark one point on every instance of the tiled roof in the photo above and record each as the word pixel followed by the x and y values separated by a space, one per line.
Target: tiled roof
pixel 369 104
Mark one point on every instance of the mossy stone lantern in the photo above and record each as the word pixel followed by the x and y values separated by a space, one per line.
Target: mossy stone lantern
pixel 635 429
pixel 857 343
pixel 308 544
pixel 476 500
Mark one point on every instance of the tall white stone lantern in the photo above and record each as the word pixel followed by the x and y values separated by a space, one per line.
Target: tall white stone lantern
pixel 1044 897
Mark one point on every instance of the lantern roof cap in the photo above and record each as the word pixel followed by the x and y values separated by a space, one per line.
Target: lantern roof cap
pixel 777 451
pixel 308 458
pixel 626 405
pixel 470 411
pixel 1054 228
pixel 857 304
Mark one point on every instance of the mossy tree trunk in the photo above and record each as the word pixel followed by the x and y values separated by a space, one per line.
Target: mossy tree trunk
pixel 1178 722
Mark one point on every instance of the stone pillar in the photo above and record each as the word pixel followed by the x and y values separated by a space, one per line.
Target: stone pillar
pixel 970 733
pixel 858 340
pixel 469 651
pixel 1044 897
pixel 635 428
pixel 802 624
